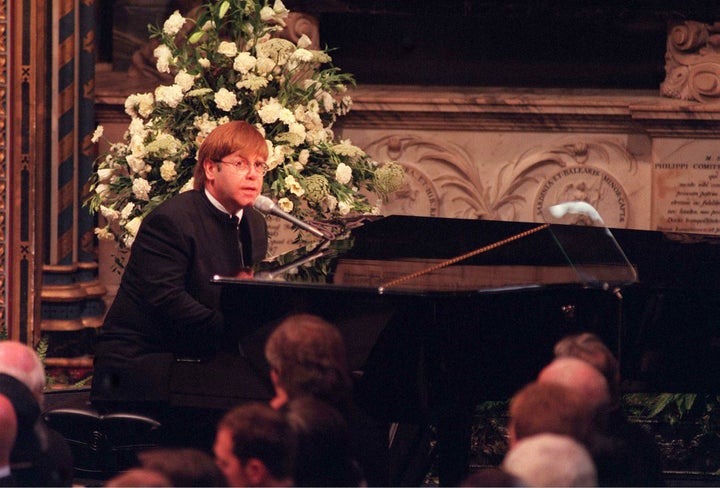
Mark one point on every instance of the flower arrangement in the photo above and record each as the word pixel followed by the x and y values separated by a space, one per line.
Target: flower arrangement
pixel 228 64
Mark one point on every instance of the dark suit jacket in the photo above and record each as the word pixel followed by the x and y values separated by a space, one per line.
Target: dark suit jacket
pixel 166 307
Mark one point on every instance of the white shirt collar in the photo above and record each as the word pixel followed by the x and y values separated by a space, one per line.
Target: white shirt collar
pixel 220 206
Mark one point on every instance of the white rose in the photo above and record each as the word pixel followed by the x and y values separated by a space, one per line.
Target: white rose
pixel 229 49
pixel 184 80
pixel 164 56
pixel 167 170
pixel 244 62
pixel 173 24
pixel 225 99
pixel 141 189
pixel 171 95
pixel 343 173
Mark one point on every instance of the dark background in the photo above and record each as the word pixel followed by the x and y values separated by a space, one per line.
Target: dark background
pixel 532 43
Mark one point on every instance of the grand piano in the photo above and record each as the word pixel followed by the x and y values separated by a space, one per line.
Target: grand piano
pixel 441 314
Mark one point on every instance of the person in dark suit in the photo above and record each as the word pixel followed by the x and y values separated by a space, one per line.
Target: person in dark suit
pixel 165 336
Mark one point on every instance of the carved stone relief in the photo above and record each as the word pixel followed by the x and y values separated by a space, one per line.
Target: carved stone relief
pixel 446 180
pixel 692 62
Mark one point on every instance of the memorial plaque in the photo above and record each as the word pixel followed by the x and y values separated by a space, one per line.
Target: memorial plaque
pixel 686 192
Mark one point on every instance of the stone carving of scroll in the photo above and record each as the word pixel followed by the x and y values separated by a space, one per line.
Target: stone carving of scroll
pixel 692 62
pixel 444 180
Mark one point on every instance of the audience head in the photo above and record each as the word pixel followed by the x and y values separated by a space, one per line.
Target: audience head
pixel 579 376
pixel 323 444
pixel 136 477
pixel 183 466
pixel 8 429
pixel 307 356
pixel 589 347
pixel 255 446
pixel 551 460
pixel 22 363
pixel 552 408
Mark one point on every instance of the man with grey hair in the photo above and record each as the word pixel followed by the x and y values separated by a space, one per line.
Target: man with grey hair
pixel 40 455
pixel 551 460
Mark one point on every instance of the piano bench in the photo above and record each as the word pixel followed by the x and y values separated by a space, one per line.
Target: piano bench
pixel 103 444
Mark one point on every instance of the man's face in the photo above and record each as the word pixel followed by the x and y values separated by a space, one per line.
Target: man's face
pixel 235 181
pixel 225 459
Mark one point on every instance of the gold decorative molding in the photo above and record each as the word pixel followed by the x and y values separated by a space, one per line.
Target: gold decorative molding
pixel 28 153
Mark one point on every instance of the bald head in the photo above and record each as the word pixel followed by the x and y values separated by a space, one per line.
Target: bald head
pixel 579 376
pixel 22 363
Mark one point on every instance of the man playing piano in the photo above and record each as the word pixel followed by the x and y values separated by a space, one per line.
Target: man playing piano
pixel 166 318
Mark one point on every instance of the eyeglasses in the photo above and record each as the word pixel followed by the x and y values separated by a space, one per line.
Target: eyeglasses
pixel 242 166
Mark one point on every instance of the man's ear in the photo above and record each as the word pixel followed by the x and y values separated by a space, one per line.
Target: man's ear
pixel 209 169
pixel 256 472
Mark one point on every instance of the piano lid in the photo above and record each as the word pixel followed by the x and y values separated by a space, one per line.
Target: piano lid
pixel 425 255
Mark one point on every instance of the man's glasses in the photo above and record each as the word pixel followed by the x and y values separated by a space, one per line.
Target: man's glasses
pixel 242 166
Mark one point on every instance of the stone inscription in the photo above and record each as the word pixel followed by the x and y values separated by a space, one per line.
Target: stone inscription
pixel 687 196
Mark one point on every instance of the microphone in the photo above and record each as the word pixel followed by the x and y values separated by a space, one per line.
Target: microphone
pixel 266 205
pixel 579 207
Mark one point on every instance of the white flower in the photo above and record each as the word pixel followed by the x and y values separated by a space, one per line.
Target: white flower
pixel 302 56
pixel 133 226
pixel 104 233
pixel 141 189
pixel 204 62
pixel 343 208
pixel 139 104
pixel 303 157
pixel 227 48
pixel 108 213
pixel 294 186
pixel 343 174
pixel 173 24
pixel 285 204
pixel 136 164
pixel 164 58
pixel 264 65
pixel 331 202
pixel 252 82
pixel 345 148
pixel 171 95
pixel 184 80
pixel 269 112
pixel 167 170
pixel 225 99
pixel 244 62
pixel 97 134
pixel 209 25
pixel 188 186
pixel 127 210
pixel 304 42
pixel 104 174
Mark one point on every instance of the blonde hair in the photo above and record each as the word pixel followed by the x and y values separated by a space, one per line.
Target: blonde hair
pixel 236 135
